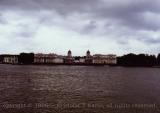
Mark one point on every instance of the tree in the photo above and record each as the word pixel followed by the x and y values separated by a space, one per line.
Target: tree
pixel 158 59
pixel 26 58
pixel 137 60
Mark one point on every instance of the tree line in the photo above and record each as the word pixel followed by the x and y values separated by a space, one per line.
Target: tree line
pixel 26 58
pixel 138 60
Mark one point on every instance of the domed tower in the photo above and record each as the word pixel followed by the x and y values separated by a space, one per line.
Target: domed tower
pixel 89 58
pixel 88 54
pixel 69 53
pixel 69 58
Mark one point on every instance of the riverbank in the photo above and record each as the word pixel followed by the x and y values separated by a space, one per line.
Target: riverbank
pixel 80 64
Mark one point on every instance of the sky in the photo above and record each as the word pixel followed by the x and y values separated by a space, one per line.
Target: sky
pixel 101 26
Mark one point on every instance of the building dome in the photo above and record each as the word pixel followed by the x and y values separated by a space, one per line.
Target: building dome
pixel 88 53
pixel 69 53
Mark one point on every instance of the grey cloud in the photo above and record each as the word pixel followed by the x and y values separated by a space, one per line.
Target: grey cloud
pixel 152 41
pixel 121 19
pixel 131 14
pixel 2 19
pixel 89 27
pixel 23 31
pixel 26 31
pixel 127 13
pixel 62 6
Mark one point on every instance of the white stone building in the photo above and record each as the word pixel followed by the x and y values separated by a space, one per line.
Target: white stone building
pixel 82 60
pixel 10 59
pixel 104 59
pixel 47 58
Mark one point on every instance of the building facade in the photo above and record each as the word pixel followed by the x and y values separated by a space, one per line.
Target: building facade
pixel 47 58
pixel 79 60
pixel 10 59
pixel 82 60
pixel 104 59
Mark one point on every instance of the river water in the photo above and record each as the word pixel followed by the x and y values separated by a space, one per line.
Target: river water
pixel 79 89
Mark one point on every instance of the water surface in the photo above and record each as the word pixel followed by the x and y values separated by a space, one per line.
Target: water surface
pixel 79 89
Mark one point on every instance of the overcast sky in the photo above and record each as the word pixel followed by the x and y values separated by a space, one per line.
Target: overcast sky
pixel 102 26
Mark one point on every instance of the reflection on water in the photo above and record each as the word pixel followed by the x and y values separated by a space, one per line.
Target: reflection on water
pixel 78 89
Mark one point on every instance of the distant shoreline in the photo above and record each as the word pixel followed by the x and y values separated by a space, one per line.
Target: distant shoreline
pixel 63 64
